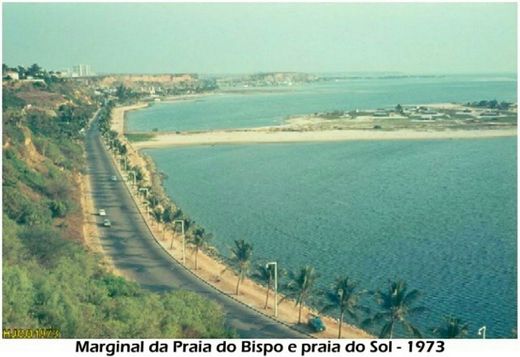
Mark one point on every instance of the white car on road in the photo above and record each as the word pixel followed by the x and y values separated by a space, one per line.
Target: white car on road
pixel 102 212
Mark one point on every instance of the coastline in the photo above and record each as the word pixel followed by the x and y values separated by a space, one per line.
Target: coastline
pixel 118 116
pixel 266 135
pixel 214 271
pixel 119 113
pixel 187 97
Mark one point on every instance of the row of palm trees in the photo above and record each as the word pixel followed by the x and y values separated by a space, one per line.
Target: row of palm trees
pixel 396 304
pixel 162 210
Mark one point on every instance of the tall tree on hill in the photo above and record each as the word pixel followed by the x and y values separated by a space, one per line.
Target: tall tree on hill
pixel 124 93
pixel 22 72
pixel 34 70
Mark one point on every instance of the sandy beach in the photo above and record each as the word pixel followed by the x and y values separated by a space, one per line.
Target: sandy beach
pixel 118 116
pixel 118 113
pixel 266 136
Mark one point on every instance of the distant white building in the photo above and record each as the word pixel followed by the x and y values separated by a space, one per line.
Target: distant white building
pixel 33 80
pixel 82 70
pixel 12 75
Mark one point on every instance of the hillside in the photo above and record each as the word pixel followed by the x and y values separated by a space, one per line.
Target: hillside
pixel 155 84
pixel 130 80
pixel 267 79
pixel 50 278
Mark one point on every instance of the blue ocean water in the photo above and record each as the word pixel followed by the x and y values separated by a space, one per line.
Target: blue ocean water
pixel 221 111
pixel 440 214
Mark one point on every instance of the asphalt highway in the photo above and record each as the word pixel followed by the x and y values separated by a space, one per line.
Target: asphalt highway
pixel 134 252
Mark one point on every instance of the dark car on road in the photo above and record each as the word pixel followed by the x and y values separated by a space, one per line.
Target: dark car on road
pixel 316 324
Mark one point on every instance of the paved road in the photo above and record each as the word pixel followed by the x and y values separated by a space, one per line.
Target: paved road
pixel 133 250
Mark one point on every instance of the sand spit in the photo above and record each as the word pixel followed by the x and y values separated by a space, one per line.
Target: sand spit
pixel 267 136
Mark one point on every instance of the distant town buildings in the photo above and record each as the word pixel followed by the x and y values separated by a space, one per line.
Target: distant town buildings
pixel 34 73
pixel 82 70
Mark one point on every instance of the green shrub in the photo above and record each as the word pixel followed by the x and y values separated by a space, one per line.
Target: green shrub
pixel 18 297
pixel 46 245
pixel 21 209
pixel 10 100
pixel 58 209
pixel 117 286
pixel 13 133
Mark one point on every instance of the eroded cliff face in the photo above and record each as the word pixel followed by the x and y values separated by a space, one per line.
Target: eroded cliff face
pixel 134 80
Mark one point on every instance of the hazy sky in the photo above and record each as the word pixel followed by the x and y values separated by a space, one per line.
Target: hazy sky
pixel 237 38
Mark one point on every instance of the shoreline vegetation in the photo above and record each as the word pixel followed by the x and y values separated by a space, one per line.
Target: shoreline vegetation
pixel 218 271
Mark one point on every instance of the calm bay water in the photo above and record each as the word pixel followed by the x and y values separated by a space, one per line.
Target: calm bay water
pixel 439 214
pixel 238 111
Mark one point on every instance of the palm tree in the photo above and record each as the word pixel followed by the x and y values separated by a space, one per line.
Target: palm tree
pixel 139 174
pixel 345 296
pixel 199 239
pixel 452 328
pixel 396 307
pixel 301 287
pixel 153 199
pixel 187 222
pixel 265 273
pixel 123 150
pixel 167 217
pixel 157 215
pixel 241 256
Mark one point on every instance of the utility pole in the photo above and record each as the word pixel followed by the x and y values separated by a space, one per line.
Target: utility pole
pixel 482 332
pixel 145 190
pixel 183 239
pixel 134 174
pixel 275 267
